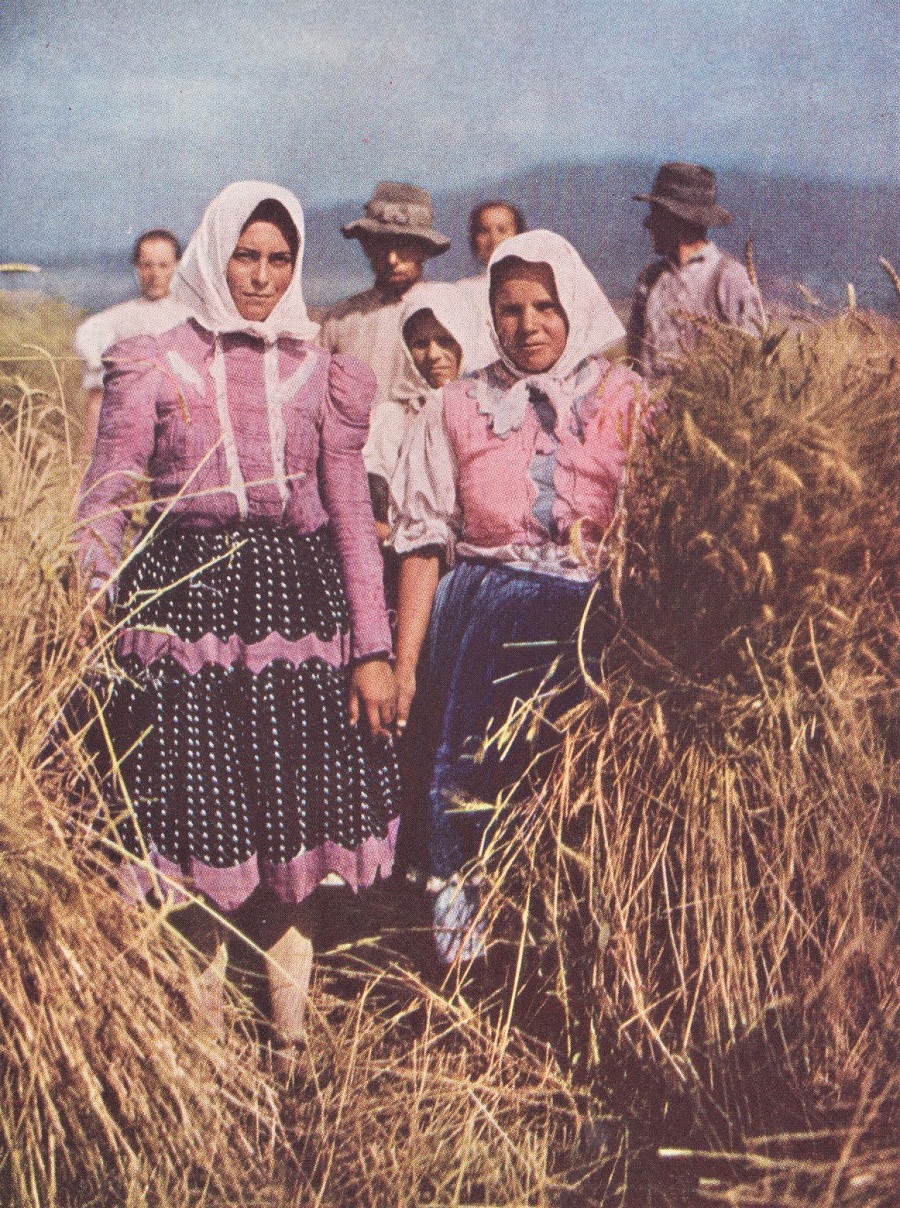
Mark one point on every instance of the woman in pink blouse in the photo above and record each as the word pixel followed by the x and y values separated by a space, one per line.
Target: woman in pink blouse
pixel 254 634
pixel 519 467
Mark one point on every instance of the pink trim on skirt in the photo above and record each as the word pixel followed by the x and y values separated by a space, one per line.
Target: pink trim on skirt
pixel 229 888
pixel 150 644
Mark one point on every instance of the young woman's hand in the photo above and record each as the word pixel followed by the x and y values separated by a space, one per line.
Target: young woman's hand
pixel 373 694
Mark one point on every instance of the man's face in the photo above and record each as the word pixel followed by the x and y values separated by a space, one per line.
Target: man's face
pixel 154 268
pixel 663 228
pixel 396 261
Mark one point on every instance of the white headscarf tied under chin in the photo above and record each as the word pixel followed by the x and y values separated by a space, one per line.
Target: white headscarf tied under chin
pixel 199 280
pixel 455 314
pixel 593 329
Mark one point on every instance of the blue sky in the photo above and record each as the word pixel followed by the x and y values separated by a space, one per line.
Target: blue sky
pixel 114 115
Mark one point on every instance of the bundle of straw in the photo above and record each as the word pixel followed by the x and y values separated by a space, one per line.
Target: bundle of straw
pixel 771 496
pixel 708 881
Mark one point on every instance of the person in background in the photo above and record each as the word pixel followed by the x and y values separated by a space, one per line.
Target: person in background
pixel 438 336
pixel 251 714
pixel 397 235
pixel 154 256
pixel 489 224
pixel 519 464
pixel 691 277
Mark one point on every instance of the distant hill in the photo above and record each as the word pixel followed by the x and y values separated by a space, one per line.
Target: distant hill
pixel 821 233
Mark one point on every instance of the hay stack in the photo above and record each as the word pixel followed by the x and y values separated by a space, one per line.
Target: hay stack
pixel 710 879
pixel 772 502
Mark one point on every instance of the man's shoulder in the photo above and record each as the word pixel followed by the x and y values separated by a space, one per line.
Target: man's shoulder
pixel 730 276
pixel 357 304
pixel 729 265
pixel 650 274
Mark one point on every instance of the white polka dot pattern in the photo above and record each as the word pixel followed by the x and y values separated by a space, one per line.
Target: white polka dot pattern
pixel 224 765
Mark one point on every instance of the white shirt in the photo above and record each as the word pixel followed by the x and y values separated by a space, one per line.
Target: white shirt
pixel 711 283
pixel 475 291
pixel 137 317
pixel 367 326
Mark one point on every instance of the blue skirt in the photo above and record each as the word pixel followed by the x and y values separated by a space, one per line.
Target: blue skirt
pixel 494 635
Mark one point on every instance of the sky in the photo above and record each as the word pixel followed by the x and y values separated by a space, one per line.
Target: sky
pixel 119 115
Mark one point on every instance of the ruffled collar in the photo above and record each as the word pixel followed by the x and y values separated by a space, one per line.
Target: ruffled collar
pixel 503 396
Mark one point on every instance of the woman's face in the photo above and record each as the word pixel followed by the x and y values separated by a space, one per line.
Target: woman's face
pixel 493 226
pixel 435 353
pixel 531 325
pixel 155 267
pixel 259 270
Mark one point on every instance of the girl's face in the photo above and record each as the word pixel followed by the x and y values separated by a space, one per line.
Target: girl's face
pixel 493 226
pixel 259 270
pixel 530 323
pixel 435 353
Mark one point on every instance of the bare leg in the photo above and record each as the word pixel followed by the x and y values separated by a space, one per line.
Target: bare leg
pixel 211 990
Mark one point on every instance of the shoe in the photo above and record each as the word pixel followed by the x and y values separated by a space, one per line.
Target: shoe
pixel 459 929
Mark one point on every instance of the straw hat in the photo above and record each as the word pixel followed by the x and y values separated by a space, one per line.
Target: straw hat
pixel 689 192
pixel 398 209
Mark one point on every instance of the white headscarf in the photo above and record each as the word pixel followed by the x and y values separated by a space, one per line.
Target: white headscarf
pixel 199 280
pixel 454 312
pixel 593 329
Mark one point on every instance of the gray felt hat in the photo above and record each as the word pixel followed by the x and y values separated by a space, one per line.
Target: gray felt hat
pixel 398 209
pixel 689 192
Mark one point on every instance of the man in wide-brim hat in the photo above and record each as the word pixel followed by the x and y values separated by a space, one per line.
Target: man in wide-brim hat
pixel 397 234
pixel 692 275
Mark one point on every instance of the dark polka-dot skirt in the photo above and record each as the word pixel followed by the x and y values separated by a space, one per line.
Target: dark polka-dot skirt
pixel 235 761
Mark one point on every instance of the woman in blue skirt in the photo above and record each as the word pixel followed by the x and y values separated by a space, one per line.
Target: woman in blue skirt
pixel 517 468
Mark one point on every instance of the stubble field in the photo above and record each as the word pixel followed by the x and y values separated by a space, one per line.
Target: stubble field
pixel 691 992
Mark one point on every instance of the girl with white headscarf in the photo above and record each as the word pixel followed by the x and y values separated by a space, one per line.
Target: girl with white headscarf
pixel 438 319
pixel 519 466
pixel 438 334
pixel 254 636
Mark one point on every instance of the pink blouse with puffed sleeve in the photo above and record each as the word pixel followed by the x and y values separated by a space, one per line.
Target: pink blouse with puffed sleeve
pixel 232 433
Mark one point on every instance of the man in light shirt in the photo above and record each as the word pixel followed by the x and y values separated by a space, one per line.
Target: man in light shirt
pixel 155 255
pixel 692 275
pixel 397 236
